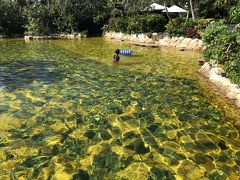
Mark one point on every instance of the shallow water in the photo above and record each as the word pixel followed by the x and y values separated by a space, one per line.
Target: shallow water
pixel 68 112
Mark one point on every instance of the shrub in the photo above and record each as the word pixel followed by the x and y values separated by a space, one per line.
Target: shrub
pixel 11 21
pixel 154 23
pixel 117 24
pixel 192 33
pixel 138 23
pixel 173 27
pixel 190 28
pixel 179 26
pixel 210 33
pixel 222 42
pixel 202 24
pixel 41 19
pixel 234 14
pixel 232 69
pixel 224 47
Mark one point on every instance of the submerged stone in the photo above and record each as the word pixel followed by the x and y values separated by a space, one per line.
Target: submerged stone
pixel 90 134
pixel 105 135
pixel 156 174
pixel 190 170
pixel 139 147
pixel 81 175
pixel 216 175
pixel 202 158
pixel 222 145
pixel 171 145
pixel 151 141
pixel 79 119
pixel 153 127
pixel 184 117
pixel 115 108
pixel 130 135
pixel 205 146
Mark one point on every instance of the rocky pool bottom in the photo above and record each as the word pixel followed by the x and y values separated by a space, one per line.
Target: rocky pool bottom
pixel 67 112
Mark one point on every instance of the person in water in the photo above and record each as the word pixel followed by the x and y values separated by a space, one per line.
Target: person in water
pixel 116 56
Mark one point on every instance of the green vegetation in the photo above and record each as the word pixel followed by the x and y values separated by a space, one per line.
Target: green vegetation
pixel 43 17
pixel 138 24
pixel 55 16
pixel 224 47
pixel 190 28
pixel 11 21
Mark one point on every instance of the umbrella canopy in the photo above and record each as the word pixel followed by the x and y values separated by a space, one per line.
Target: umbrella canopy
pixel 155 6
pixel 175 9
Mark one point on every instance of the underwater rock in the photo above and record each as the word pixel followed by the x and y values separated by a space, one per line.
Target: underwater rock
pixel 172 134
pixel 223 157
pixel 79 118
pixel 81 175
pixel 105 135
pixel 107 161
pixel 151 141
pixel 173 146
pixel 130 135
pixel 190 170
pixel 205 146
pixel 139 147
pixel 9 122
pixel 38 103
pixel 156 173
pixel 222 145
pixel 202 158
pixel 153 127
pixel 216 175
pixel 135 170
pixel 90 134
pixel 21 132
pixel 115 108
pixel 172 155
pixel 184 116
pixel 59 127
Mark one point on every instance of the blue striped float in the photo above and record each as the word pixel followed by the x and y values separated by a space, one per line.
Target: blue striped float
pixel 125 52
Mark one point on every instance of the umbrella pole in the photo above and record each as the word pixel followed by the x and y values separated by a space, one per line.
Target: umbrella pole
pixel 168 14
pixel 187 16
pixel 167 11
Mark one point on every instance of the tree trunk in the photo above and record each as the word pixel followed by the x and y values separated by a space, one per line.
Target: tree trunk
pixel 191 6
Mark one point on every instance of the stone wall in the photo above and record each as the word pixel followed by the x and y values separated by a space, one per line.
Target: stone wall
pixel 158 39
pixel 57 36
pixel 214 74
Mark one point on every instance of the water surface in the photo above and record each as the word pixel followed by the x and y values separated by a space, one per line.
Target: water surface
pixel 68 112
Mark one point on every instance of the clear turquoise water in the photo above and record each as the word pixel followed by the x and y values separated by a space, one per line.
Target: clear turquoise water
pixel 68 112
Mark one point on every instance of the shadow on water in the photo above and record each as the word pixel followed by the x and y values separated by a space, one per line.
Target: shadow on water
pixel 18 74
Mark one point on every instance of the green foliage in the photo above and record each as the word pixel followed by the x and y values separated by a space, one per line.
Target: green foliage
pixel 55 16
pixel 210 33
pixel 11 21
pixel 118 24
pixel 201 24
pixel 179 26
pixel 234 14
pixel 189 28
pixel 39 22
pixel 138 23
pixel 232 69
pixel 224 47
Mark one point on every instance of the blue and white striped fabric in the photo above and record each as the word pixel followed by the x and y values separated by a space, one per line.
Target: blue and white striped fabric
pixel 125 52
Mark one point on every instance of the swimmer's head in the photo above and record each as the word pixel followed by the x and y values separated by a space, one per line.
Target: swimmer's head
pixel 117 51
